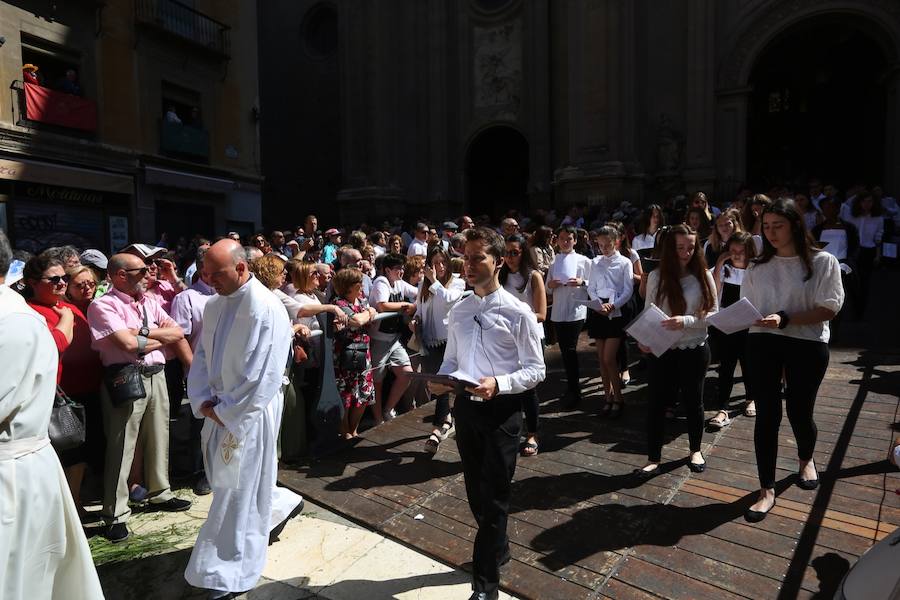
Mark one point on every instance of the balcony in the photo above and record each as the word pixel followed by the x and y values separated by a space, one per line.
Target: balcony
pixel 41 106
pixel 184 23
pixel 184 141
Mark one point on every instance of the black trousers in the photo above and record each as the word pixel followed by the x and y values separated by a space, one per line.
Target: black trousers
pixel 865 264
pixel 732 348
pixel 531 405
pixel 431 363
pixel 487 436
pixel 676 370
pixel 803 364
pixel 567 333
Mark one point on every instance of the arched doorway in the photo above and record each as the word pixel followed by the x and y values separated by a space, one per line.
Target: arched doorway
pixel 497 171
pixel 818 105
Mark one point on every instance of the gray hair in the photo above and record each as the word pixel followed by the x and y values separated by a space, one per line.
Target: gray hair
pixel 6 254
pixel 239 254
pixel 63 253
pixel 201 252
pixel 249 252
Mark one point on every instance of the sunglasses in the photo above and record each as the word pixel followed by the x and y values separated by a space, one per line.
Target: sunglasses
pixel 85 285
pixel 56 279
pixel 142 270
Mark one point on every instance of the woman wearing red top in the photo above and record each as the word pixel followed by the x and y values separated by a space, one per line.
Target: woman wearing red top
pixel 80 372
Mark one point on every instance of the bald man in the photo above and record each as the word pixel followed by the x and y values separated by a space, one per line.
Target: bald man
pixel 235 383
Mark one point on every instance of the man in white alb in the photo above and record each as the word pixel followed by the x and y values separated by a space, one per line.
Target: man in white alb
pixel 493 338
pixel 236 383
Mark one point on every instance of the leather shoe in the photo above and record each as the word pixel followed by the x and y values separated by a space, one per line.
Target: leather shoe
pixel 276 531
pixel 202 488
pixel 171 505
pixel 117 532
pixel 697 467
pixel 808 484
pixel 645 475
pixel 485 595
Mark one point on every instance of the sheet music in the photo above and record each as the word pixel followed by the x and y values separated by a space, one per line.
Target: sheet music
pixel 594 305
pixel 646 328
pixel 737 317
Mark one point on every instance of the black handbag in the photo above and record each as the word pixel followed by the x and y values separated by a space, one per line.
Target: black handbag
pixel 392 326
pixel 124 383
pixel 67 428
pixel 353 357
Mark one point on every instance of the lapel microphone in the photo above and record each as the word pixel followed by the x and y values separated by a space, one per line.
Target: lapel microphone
pixel 475 317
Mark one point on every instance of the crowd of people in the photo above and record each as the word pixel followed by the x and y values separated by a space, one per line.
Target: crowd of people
pixel 361 311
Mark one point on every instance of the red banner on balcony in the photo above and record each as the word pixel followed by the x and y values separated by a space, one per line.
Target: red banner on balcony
pixel 56 108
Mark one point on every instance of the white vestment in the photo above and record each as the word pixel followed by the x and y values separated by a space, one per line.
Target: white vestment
pixel 240 364
pixel 43 551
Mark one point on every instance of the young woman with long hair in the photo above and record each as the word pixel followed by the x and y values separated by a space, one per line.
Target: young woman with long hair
pixel 651 220
pixel 439 290
pixel 611 281
pixel 726 225
pixel 540 247
pixel 867 216
pixel 751 218
pixel 521 278
pixel 799 290
pixel 636 303
pixel 811 216
pixel 728 274
pixel 683 289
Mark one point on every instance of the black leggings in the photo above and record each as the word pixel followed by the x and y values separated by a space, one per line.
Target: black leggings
pixel 431 363
pixel 732 348
pixel 803 364
pixel 567 333
pixel 677 369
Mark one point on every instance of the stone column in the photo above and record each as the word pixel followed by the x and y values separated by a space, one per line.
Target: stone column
pixel 699 170
pixel 731 141
pixel 892 136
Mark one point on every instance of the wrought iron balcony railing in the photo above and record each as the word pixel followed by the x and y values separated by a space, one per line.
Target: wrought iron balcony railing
pixel 182 21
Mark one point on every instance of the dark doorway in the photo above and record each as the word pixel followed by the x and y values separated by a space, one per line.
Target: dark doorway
pixel 184 220
pixel 497 170
pixel 818 106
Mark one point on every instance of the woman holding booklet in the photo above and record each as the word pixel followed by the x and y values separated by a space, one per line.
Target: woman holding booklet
pixel 685 290
pixel 729 273
pixel 610 283
pixel 799 289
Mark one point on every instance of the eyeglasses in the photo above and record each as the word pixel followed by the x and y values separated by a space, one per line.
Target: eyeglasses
pixel 513 253
pixel 56 279
pixel 142 270
pixel 85 284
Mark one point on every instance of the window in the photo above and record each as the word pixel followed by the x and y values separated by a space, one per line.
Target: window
pixel 54 64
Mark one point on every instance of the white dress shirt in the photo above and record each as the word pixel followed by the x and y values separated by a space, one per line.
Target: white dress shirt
pixel 871 229
pixel 643 241
pixel 434 311
pixel 611 277
pixel 495 336
pixel 417 247
pixel 564 309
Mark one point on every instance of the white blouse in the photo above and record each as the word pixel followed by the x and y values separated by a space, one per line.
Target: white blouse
pixel 778 285
pixel 435 310
pixel 694 333
pixel 565 309
pixel 513 283
pixel 870 229
pixel 643 241
pixel 612 278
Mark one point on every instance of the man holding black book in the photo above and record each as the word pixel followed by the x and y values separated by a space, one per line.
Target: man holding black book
pixel 493 338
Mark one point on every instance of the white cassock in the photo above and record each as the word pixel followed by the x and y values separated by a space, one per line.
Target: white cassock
pixel 43 551
pixel 240 363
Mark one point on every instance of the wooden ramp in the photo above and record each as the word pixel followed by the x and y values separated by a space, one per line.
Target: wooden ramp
pixel 582 527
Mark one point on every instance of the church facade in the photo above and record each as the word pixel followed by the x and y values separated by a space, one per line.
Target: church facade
pixel 374 108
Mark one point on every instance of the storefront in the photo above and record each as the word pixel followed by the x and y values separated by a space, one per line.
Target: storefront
pixel 44 204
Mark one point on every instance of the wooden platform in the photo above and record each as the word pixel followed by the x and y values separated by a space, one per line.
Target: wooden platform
pixel 582 527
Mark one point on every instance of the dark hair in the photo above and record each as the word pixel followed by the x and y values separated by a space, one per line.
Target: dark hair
pixel 647 215
pixel 803 241
pixel 747 217
pixel 744 239
pixel 570 229
pixel 703 230
pixel 526 265
pixel 344 280
pixel 856 205
pixel 391 261
pixel 541 237
pixel 35 268
pixel 670 274
pixel 493 240
pixel 434 251
pixel 610 230
pixel 6 254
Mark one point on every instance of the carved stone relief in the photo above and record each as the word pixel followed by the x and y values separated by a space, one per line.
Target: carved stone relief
pixel 497 70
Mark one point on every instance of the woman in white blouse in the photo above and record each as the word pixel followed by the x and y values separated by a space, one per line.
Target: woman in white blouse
pixel 439 290
pixel 868 218
pixel 799 290
pixel 651 221
pixel 611 282
pixel 520 277
pixel 682 288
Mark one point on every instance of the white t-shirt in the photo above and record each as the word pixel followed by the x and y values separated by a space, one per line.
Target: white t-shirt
pixel 382 291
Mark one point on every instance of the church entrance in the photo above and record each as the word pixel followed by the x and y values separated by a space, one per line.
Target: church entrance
pixel 497 172
pixel 818 106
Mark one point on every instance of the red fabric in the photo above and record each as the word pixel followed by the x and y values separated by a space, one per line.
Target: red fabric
pixel 56 108
pixel 80 371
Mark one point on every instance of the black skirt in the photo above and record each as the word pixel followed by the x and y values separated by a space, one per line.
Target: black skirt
pixel 604 328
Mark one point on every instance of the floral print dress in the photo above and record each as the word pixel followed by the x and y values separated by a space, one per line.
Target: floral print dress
pixel 356 389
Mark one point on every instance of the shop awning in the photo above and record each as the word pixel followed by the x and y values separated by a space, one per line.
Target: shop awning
pixel 66 176
pixel 187 181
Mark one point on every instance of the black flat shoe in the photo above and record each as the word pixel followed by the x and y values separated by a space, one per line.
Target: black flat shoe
pixel 616 410
pixel 645 475
pixel 807 484
pixel 276 531
pixel 696 467
pixel 485 595
pixel 755 516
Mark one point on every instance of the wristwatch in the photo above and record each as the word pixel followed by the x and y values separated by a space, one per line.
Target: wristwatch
pixel 144 331
pixel 141 345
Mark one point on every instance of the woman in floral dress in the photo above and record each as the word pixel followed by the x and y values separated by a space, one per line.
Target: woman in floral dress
pixel 352 357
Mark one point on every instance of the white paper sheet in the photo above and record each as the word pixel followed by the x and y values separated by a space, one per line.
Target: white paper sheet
pixel 567 267
pixel 889 250
pixel 740 315
pixel 646 328
pixel 835 242
pixel 594 305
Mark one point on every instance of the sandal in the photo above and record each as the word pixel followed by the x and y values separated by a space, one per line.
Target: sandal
pixel 719 423
pixel 750 409
pixel 529 449
pixel 432 443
